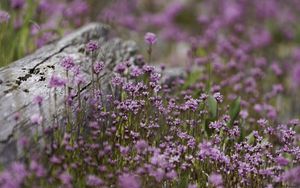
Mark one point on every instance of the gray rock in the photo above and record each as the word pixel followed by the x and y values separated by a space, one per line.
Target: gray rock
pixel 23 80
pixel 26 78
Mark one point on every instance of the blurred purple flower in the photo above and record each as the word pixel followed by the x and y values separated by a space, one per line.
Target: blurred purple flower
pixel 4 16
pixel 45 38
pixel 215 179
pixel 129 181
pixel 158 174
pixel 232 11
pixel 281 161
pixel 14 176
pixel 38 100
pixel 79 79
pixel 150 38
pixel 37 168
pixel 56 81
pixel 65 178
pixel 36 119
pixel 292 176
pixel 192 186
pixel 296 75
pixel 141 145
pixel 94 181
pixel 17 4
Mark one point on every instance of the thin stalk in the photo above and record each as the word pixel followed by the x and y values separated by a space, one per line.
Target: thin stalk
pixel 93 79
pixel 149 53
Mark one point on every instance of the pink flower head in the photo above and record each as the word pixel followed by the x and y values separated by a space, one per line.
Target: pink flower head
pixel 92 46
pixel 37 168
pixel 215 179
pixel 141 145
pixel 292 175
pixel 56 81
pixel 93 180
pixel 17 4
pixel 281 161
pixel 67 63
pixel 98 67
pixel 150 38
pixel 65 178
pixel 296 76
pixel 129 181
pixel 36 119
pixel 38 100
pixel 79 79
pixel 4 16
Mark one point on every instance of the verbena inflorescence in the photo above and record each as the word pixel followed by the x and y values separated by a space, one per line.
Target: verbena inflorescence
pixel 225 121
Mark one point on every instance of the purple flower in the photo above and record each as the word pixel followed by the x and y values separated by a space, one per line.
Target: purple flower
pixel 232 11
pixel 129 181
pixel 215 179
pixel 37 168
pixel 124 150
pixel 45 38
pixel 150 38
pixel 155 77
pixel 158 174
pixel 23 142
pixel 36 119
pixel 13 177
pixel 218 97
pixel 79 79
pixel 120 68
pixel 93 180
pixel 141 145
pixel 65 178
pixel 292 176
pixel 276 69
pixel 56 81
pixel 4 16
pixel 148 69
pixel 296 76
pixel 75 9
pixel 281 161
pixel 159 160
pixel 172 175
pixel 92 46
pixel 98 67
pixel 67 63
pixel 192 186
pixel 261 38
pixel 19 169
pixel 55 160
pixel 136 72
pixel 38 100
pixel 117 81
pixel 17 4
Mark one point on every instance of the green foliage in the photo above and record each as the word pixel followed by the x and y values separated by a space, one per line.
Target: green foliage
pixel 250 138
pixel 183 181
pixel 15 41
pixel 234 110
pixel 212 106
pixel 192 79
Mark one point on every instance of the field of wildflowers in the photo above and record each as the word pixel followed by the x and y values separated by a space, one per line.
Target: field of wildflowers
pixel 229 120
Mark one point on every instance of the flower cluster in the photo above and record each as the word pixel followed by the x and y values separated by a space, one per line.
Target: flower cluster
pixel 221 122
